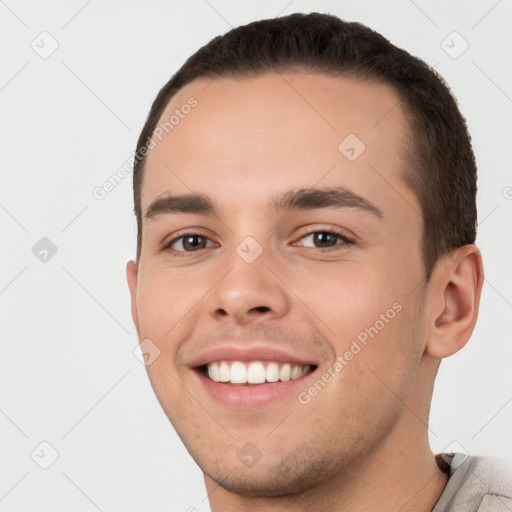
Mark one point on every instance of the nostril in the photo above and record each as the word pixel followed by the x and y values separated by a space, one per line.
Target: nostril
pixel 262 309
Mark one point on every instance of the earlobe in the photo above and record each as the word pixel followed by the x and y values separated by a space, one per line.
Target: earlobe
pixel 456 286
pixel 132 271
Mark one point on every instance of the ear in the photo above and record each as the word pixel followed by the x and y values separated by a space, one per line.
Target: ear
pixel 454 293
pixel 132 271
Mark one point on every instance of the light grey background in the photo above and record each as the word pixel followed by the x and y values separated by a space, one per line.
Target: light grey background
pixel 69 121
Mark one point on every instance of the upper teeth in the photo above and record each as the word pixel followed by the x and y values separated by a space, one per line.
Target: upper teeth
pixel 255 372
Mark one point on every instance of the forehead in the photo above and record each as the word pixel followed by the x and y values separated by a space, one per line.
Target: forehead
pixel 239 139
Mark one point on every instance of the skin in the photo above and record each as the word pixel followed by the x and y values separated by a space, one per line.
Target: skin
pixel 362 442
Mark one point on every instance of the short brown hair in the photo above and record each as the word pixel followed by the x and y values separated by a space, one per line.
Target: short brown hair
pixel 440 167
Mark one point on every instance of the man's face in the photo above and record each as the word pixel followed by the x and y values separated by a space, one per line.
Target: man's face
pixel 269 288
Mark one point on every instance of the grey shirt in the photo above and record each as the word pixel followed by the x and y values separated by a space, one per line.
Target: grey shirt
pixel 475 484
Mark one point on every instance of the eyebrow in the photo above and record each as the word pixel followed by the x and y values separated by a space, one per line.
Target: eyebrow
pixel 290 200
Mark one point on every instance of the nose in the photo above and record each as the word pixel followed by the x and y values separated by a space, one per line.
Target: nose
pixel 248 292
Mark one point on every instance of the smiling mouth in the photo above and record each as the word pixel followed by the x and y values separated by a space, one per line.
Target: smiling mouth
pixel 253 372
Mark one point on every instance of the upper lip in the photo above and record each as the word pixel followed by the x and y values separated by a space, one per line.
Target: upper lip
pixel 248 353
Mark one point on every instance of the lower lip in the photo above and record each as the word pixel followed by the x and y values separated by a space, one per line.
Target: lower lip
pixel 252 395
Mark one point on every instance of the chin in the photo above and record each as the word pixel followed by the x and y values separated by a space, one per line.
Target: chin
pixel 258 485
pixel 290 475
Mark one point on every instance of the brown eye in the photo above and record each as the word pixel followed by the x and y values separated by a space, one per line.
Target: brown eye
pixel 189 242
pixel 325 239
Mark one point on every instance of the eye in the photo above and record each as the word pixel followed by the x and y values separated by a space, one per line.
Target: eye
pixel 189 242
pixel 326 239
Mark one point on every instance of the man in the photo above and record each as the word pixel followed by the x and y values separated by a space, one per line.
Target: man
pixel 305 199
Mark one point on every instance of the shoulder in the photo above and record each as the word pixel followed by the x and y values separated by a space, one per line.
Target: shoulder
pixel 476 484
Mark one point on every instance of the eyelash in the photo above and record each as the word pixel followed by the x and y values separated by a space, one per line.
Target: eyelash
pixel 346 241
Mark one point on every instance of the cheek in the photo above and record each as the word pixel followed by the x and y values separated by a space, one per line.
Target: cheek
pixel 345 297
pixel 367 318
pixel 164 303
pixel 164 309
pixel 387 356
pixel 372 378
